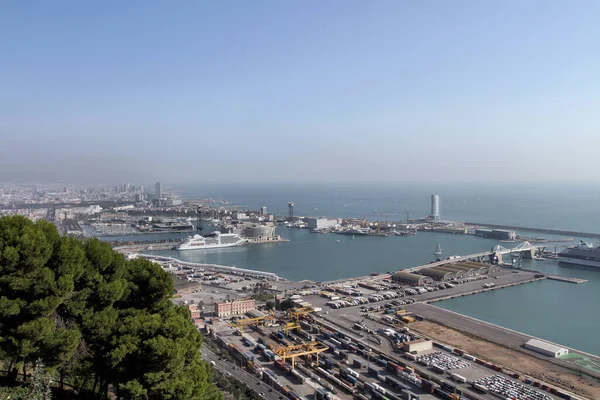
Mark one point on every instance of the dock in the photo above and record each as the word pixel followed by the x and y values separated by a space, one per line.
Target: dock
pixel 566 279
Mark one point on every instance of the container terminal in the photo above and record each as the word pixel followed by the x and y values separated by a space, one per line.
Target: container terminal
pixel 366 337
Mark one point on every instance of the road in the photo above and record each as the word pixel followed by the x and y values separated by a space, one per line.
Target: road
pixel 241 375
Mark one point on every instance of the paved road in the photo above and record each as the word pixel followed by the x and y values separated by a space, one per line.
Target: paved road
pixel 240 375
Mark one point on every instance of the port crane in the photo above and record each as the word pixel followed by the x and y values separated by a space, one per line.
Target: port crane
pixel 299 312
pixel 304 349
pixel 241 323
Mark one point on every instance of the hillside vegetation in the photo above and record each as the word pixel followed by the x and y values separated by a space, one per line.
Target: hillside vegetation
pixel 96 321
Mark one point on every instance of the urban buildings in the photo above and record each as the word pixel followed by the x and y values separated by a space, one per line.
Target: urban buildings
pixel 290 211
pixel 234 307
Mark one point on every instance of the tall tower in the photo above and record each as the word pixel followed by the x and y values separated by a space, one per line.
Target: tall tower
pixel 158 192
pixel 290 211
pixel 435 207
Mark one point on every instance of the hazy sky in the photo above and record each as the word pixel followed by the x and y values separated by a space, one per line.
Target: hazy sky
pixel 200 91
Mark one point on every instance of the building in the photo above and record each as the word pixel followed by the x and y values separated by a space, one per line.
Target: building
pixel 546 348
pixel 463 270
pixel 322 223
pixel 417 346
pixel 186 287
pixel 256 230
pixel 235 307
pixel 158 194
pixel 503 234
pixel 263 211
pixel 290 211
pixel 435 207
pixel 483 232
pixel 412 279
pixel 194 312
pixel 441 275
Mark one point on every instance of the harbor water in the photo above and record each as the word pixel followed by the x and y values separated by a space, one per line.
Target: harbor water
pixel 561 312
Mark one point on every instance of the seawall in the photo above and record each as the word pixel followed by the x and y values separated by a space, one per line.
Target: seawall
pixel 540 230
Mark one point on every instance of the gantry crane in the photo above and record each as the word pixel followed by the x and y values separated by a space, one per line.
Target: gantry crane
pixel 299 312
pixel 241 323
pixel 290 326
pixel 304 349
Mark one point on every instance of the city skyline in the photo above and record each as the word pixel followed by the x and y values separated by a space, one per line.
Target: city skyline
pixel 299 92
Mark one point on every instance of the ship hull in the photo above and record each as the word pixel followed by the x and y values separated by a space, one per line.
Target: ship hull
pixel 576 261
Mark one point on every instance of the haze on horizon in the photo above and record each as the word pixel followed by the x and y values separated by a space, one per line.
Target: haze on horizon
pixel 299 91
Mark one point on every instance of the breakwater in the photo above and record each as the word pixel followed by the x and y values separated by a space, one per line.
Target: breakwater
pixel 540 230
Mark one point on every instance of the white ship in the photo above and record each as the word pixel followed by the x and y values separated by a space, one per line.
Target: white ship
pixel 215 240
pixel 584 254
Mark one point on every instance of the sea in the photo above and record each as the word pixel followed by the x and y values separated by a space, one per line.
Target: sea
pixel 561 312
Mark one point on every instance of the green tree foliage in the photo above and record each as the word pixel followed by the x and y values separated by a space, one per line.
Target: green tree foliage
pixel 95 318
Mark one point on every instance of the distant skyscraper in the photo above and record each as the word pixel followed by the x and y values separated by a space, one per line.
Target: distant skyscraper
pixel 142 189
pixel 263 211
pixel 290 211
pixel 435 207
pixel 158 194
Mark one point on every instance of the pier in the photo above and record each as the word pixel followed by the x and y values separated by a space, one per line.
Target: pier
pixel 566 279
pixel 214 267
pixel 540 230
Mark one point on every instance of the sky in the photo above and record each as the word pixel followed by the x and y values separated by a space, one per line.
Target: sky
pixel 299 91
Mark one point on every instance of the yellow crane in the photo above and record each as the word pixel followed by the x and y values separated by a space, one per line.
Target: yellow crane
pixel 299 350
pixel 241 323
pixel 290 327
pixel 299 312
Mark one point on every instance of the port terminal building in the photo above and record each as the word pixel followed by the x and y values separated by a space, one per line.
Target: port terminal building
pixel 235 307
pixel 322 223
pixel 545 348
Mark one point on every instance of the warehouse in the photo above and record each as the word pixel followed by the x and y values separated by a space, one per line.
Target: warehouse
pixel 467 270
pixel 417 346
pixel 481 268
pixel 458 273
pixel 503 234
pixel 438 274
pixel 412 279
pixel 546 348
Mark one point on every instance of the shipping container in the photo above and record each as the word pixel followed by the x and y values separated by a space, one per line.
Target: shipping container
pixel 408 395
pixel 373 372
pixel 381 362
pixel 459 378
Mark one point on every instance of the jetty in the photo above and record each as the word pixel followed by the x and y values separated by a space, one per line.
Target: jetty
pixel 566 279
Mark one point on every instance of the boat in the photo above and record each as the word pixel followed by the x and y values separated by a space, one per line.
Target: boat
pixel 337 241
pixel 215 240
pixel 438 251
pixel 582 254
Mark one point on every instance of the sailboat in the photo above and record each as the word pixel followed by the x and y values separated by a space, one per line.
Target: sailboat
pixel 438 251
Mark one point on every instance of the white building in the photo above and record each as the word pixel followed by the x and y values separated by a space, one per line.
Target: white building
pixel 322 223
pixel 417 346
pixel 546 348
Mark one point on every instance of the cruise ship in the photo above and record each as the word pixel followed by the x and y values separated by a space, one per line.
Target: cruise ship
pixel 583 254
pixel 215 240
